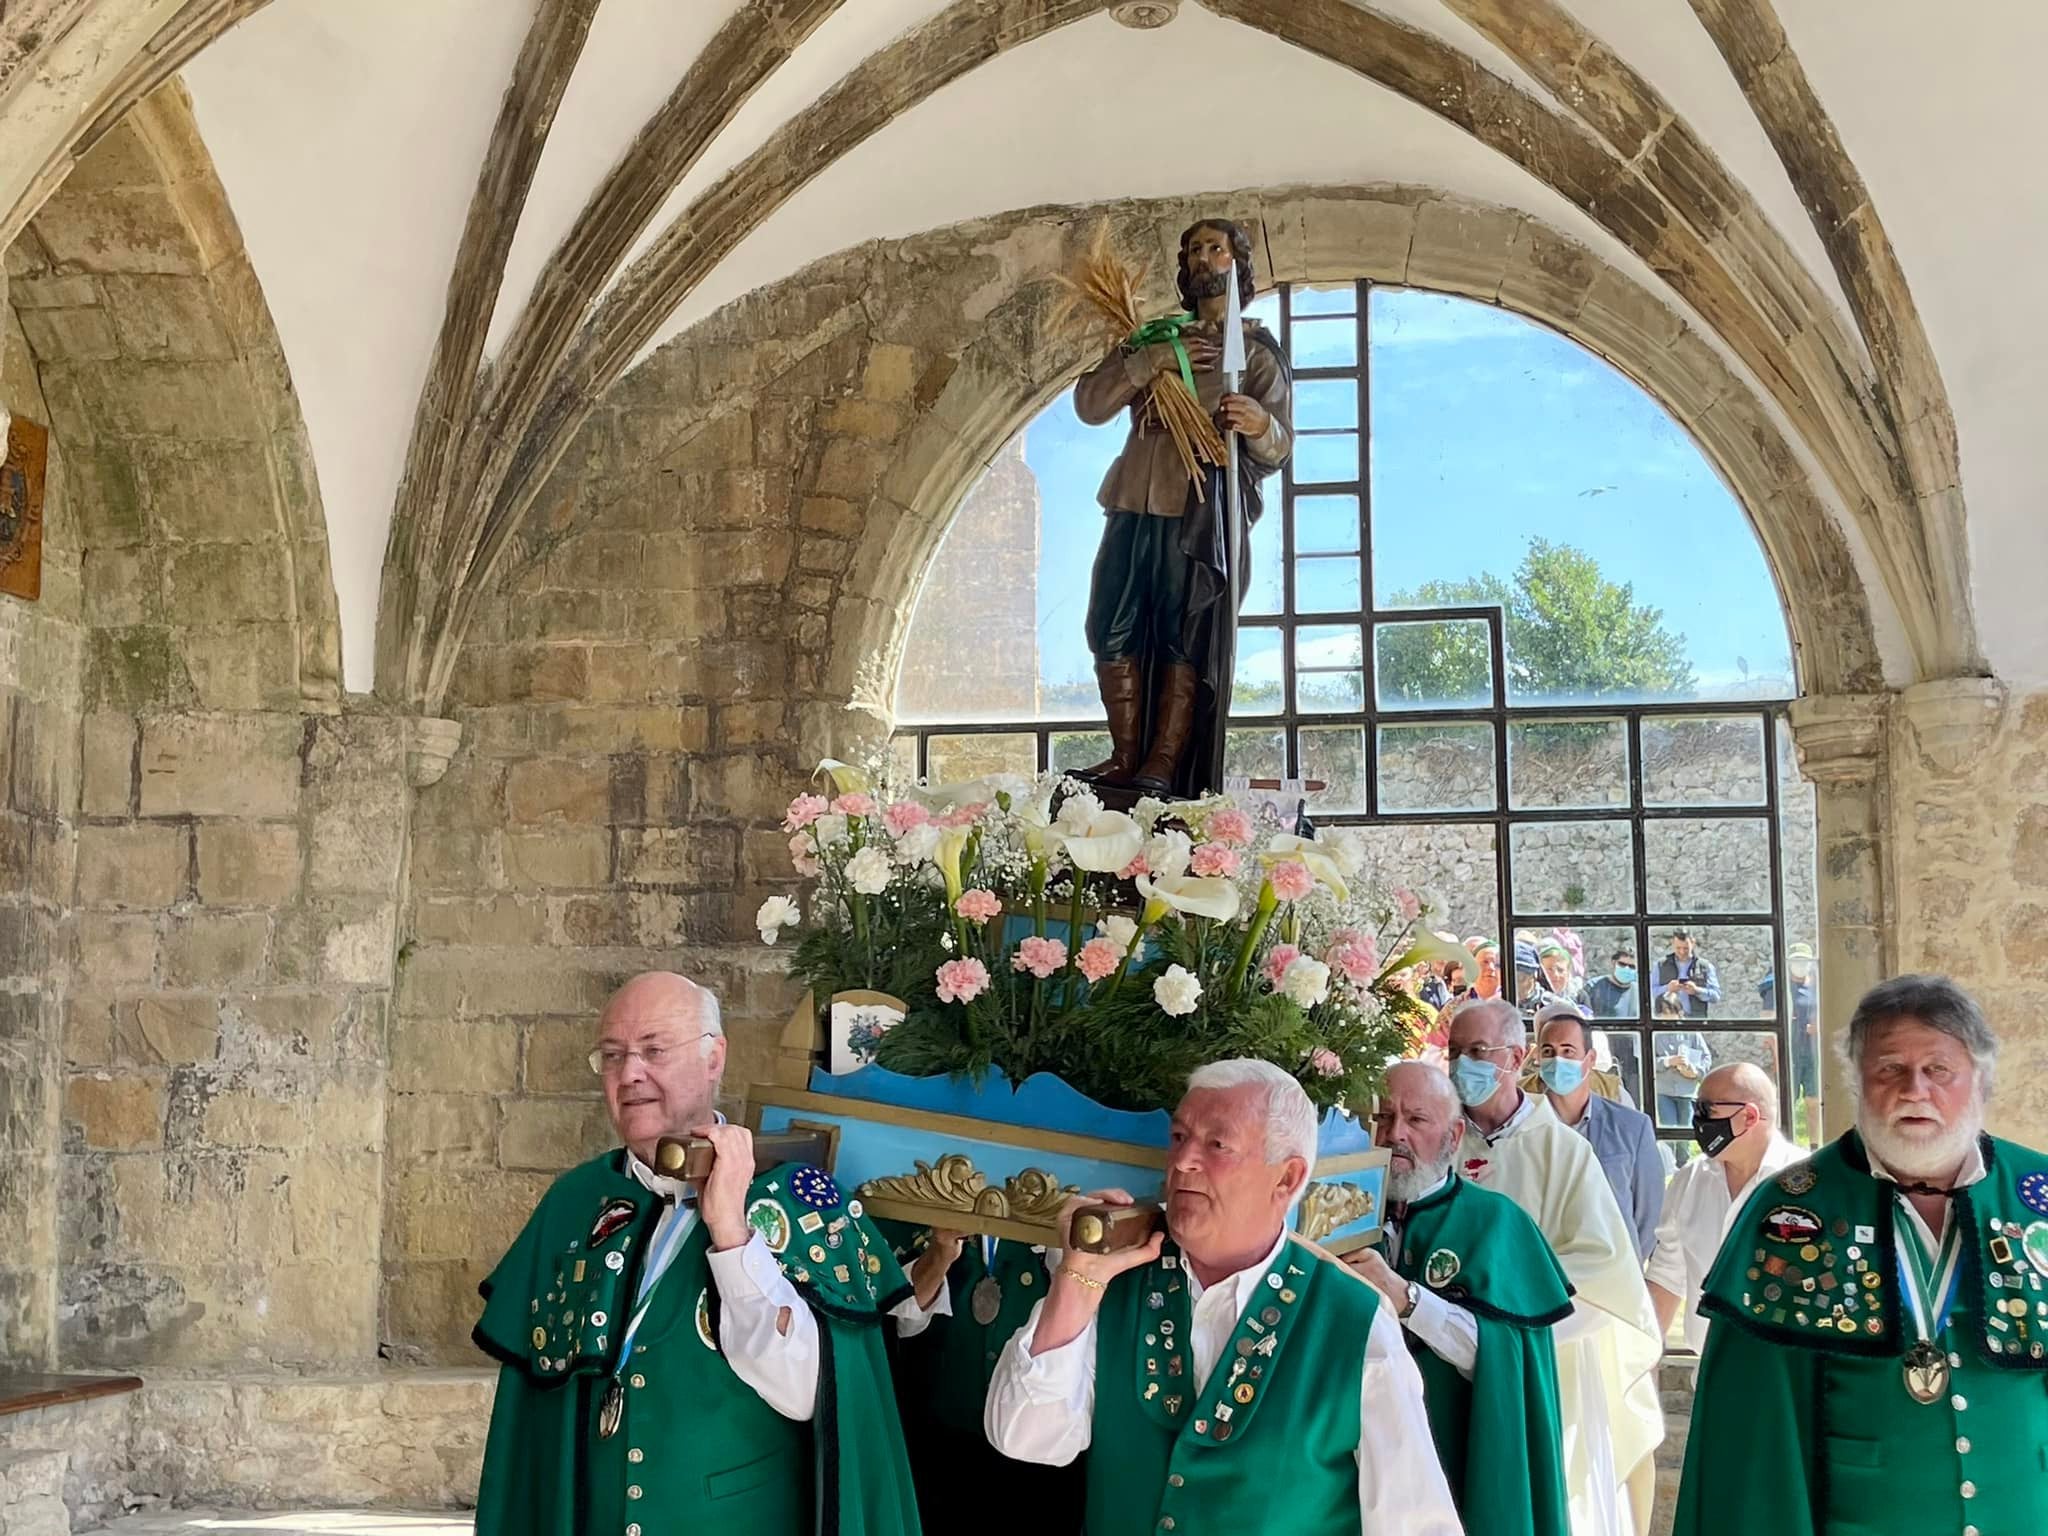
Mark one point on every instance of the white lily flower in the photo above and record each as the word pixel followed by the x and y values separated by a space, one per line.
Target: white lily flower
pixel 1110 841
pixel 1192 895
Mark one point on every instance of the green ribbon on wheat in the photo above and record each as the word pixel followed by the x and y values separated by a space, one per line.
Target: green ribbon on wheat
pixel 1168 328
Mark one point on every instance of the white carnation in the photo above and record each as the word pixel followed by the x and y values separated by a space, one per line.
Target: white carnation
pixel 1120 931
pixel 1166 854
pixel 868 871
pixel 1177 991
pixel 917 845
pixel 1306 981
pixel 1076 811
pixel 776 914
pixel 829 829
pixel 1147 811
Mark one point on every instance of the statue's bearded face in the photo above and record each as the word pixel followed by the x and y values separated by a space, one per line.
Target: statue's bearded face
pixel 1210 262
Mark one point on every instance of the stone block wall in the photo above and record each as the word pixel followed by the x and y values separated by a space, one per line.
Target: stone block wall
pixel 40 646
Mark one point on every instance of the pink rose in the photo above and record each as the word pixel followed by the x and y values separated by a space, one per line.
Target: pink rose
pixel 978 906
pixel 1230 826
pixel 1326 1061
pixel 1407 904
pixel 1041 957
pixel 1215 859
pixel 1132 870
pixel 804 810
pixel 1291 880
pixel 1278 958
pixel 1099 958
pixel 962 981
pixel 802 857
pixel 963 815
pixel 904 815
pixel 855 805
pixel 1355 954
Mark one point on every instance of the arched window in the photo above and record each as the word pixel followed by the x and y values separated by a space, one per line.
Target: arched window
pixel 1508 618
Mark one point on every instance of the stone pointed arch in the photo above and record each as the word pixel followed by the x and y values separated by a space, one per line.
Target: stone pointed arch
pixel 172 397
pixel 1391 234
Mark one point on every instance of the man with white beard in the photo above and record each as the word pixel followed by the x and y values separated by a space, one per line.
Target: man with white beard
pixel 1879 1356
pixel 1476 1289
pixel 1607 1350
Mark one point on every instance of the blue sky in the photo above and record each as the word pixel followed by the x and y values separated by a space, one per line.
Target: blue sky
pixel 1487 429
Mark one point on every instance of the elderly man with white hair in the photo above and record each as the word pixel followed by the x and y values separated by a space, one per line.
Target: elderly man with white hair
pixel 1477 1291
pixel 1200 1370
pixel 1608 1349
pixel 1879 1356
pixel 682 1356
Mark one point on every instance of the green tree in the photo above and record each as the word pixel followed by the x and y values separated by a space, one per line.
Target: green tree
pixel 1571 634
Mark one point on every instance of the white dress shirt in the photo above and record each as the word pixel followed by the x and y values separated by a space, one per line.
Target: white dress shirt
pixel 1042 1408
pixel 753 1293
pixel 1697 1209
pixel 1451 1331
pixel 1973 1171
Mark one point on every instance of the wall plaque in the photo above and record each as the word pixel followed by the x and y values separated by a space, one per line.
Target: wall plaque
pixel 21 508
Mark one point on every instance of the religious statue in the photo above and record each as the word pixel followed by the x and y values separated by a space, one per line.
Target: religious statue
pixel 1176 549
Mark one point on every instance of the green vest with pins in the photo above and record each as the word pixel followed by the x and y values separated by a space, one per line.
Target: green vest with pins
pixel 1281 1403
pixel 693 1446
pixel 1818 1410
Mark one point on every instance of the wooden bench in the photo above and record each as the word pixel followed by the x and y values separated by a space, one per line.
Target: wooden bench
pixel 21 1393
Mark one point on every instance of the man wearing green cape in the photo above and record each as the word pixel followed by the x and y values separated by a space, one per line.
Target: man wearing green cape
pixel 1878 1361
pixel 1477 1290
pixel 682 1357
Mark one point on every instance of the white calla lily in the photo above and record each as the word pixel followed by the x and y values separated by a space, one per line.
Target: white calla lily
pixel 1314 855
pixel 952 843
pixel 1192 895
pixel 1427 946
pixel 845 778
pixel 1110 841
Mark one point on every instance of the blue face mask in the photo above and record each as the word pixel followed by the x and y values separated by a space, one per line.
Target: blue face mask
pixel 1476 1081
pixel 1562 1074
pixel 1625 974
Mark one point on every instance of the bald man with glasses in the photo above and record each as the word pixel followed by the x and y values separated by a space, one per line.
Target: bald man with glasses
pixel 677 1356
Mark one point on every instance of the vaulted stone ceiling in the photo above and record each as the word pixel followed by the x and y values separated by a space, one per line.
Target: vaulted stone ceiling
pixel 1841 224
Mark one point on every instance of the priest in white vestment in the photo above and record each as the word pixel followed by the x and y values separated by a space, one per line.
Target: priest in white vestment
pixel 1608 1349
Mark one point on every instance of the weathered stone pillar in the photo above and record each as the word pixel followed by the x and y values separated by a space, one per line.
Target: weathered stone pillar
pixel 1841 744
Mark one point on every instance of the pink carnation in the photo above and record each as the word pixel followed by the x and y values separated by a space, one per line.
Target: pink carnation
pixel 1355 954
pixel 802 856
pixel 1326 1061
pixel 903 816
pixel 978 906
pixel 1041 957
pixel 804 810
pixel 1099 957
pixel 1291 880
pixel 1230 826
pixel 1215 859
pixel 1407 904
pixel 1132 870
pixel 963 815
pixel 1278 958
pixel 962 981
pixel 855 805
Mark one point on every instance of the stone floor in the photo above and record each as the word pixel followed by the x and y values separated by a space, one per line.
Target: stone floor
pixel 300 1522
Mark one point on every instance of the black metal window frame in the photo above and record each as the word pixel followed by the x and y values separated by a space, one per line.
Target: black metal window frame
pixel 1500 717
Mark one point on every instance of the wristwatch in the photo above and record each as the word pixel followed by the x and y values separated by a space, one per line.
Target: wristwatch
pixel 1414 1295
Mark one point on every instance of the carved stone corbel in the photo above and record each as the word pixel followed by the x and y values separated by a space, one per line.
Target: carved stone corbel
pixel 1953 719
pixel 1144 15
pixel 429 748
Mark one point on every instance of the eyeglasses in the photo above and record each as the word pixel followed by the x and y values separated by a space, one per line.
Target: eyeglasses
pixel 1475 1050
pixel 610 1060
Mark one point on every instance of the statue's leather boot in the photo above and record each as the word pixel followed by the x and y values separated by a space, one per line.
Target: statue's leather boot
pixel 1123 696
pixel 1171 728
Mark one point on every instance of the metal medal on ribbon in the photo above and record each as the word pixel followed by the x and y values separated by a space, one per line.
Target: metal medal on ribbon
pixel 1926 1373
pixel 1930 1288
pixel 611 1410
pixel 986 1300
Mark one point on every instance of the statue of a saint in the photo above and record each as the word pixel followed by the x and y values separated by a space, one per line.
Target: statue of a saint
pixel 1162 610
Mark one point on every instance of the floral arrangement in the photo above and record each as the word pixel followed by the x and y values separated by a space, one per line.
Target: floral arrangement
pixel 1030 928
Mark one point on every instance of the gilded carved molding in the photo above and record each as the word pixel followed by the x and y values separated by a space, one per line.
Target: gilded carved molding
pixel 1330 1207
pixel 953 1194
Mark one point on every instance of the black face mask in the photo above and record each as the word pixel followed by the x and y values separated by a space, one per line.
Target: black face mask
pixel 1714 1136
